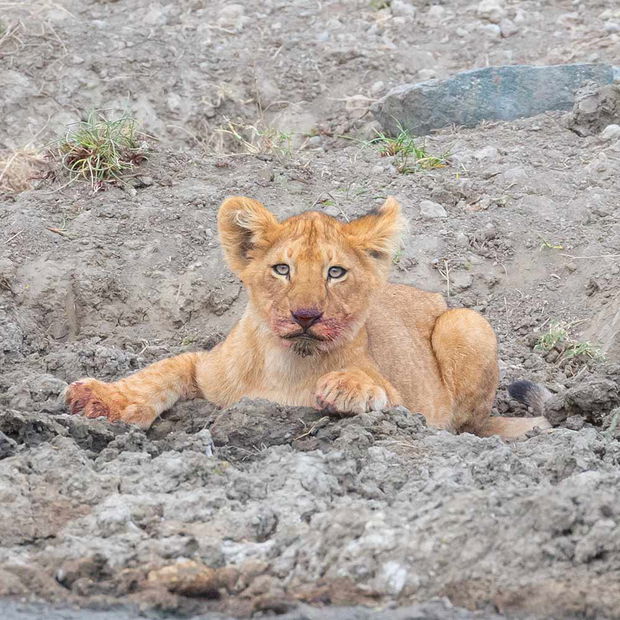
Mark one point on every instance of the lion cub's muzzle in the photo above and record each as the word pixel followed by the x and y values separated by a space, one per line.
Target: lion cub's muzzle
pixel 306 317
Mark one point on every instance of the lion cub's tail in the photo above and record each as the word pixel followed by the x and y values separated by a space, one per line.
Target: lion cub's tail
pixel 535 396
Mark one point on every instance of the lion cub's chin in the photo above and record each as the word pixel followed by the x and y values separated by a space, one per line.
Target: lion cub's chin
pixel 304 346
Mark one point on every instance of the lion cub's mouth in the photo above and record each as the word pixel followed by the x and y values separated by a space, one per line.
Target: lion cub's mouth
pixel 304 343
pixel 303 336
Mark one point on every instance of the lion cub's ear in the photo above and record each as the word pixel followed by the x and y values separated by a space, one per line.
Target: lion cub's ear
pixel 378 233
pixel 244 225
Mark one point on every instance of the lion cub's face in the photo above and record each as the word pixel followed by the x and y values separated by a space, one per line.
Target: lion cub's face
pixel 311 277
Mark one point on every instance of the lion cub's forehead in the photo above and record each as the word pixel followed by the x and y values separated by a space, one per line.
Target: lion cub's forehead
pixel 312 236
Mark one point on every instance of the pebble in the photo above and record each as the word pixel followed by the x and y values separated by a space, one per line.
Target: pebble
pixel 488 153
pixel 432 210
pixel 377 87
pixel 266 175
pixel 461 239
pixel 508 28
pixel 7 268
pixel 233 16
pixel 611 132
pixel 611 26
pixel 402 8
pixel 426 74
pixel 461 281
pixel 436 13
pixel 491 30
pixel 491 10
pixel 513 176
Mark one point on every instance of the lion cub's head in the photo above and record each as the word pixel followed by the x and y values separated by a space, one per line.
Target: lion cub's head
pixel 311 277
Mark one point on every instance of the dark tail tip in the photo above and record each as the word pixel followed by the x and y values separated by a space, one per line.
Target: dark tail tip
pixel 531 394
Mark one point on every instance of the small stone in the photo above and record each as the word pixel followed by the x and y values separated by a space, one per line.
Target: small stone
pixel 461 239
pixel 402 8
pixel 611 26
pixel 491 10
pixel 594 108
pixel 461 281
pixel 489 231
pixel 488 153
pixel 189 578
pixel 552 356
pixel 436 13
pixel 508 28
pixel 141 182
pixel 611 132
pixel 266 175
pixel 514 176
pixel 8 446
pixel 233 16
pixel 491 30
pixel 314 142
pixel 377 87
pixel 432 210
pixel 427 74
pixel 574 422
pixel 7 268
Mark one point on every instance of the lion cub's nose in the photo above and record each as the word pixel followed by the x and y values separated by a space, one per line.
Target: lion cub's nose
pixel 306 317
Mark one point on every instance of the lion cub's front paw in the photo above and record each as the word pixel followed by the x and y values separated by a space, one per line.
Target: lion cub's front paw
pixel 96 399
pixel 349 392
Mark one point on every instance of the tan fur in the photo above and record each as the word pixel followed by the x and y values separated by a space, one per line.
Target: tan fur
pixel 372 344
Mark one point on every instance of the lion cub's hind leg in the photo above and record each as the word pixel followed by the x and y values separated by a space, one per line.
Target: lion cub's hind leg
pixel 466 348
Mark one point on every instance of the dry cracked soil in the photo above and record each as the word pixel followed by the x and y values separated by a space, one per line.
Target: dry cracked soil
pixel 264 510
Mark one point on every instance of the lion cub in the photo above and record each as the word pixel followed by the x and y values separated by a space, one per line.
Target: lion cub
pixel 324 328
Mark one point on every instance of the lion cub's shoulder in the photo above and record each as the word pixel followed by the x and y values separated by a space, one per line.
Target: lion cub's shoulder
pixel 410 305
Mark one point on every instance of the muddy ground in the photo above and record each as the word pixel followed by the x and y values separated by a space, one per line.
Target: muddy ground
pixel 261 509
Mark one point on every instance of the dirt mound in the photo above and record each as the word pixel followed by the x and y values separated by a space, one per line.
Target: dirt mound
pixel 359 510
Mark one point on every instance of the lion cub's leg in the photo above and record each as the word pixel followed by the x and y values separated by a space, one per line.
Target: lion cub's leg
pixel 466 348
pixel 139 398
pixel 354 390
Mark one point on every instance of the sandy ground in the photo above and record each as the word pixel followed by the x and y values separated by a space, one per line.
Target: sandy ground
pixel 263 509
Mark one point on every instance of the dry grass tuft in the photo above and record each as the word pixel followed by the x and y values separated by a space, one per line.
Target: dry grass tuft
pixel 101 151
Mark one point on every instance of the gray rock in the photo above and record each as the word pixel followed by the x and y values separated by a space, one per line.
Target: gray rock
pixel 493 93
pixel 8 446
pixel 508 28
pixel 491 10
pixel 461 281
pixel 432 210
pixel 611 132
pixel 595 107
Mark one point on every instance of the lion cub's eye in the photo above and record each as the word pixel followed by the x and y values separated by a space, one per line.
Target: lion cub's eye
pixel 333 273
pixel 281 269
